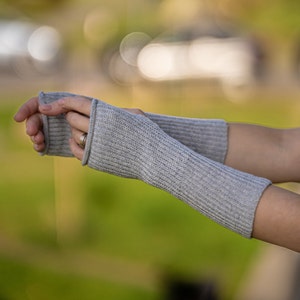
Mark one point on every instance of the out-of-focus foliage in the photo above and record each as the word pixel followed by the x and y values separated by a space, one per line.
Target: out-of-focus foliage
pixel 29 6
pixel 276 16
pixel 108 216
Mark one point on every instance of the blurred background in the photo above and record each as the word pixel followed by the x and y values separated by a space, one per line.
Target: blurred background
pixel 67 232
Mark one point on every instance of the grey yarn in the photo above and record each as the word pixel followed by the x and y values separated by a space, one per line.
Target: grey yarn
pixel 133 146
pixel 56 129
pixel 205 136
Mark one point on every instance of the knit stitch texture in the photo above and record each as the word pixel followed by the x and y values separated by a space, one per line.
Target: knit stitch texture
pixel 133 146
pixel 207 137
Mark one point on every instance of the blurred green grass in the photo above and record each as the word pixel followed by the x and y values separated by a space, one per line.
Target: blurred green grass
pixel 54 205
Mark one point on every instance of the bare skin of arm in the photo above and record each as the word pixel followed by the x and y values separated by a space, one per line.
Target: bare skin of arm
pixel 273 154
pixel 262 151
pixel 277 218
pixel 266 152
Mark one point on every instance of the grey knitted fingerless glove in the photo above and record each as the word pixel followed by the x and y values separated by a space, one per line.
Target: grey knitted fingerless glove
pixel 207 137
pixel 56 129
pixel 133 146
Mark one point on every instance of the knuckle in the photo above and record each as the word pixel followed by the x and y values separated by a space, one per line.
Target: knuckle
pixel 70 116
pixel 135 111
pixel 138 111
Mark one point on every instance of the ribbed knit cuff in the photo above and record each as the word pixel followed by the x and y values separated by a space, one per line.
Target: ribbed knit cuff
pixel 56 129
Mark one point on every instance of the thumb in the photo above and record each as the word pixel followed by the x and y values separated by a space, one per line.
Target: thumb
pixel 64 105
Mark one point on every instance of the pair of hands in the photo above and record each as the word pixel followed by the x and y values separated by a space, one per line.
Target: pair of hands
pixel 77 112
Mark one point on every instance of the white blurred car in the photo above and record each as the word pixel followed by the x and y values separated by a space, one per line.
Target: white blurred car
pixel 228 59
pixel 26 47
pixel 191 54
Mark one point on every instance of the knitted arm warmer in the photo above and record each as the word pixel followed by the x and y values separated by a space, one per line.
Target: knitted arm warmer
pixel 56 128
pixel 207 137
pixel 133 146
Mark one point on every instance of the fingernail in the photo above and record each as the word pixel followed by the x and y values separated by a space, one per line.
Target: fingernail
pixel 16 117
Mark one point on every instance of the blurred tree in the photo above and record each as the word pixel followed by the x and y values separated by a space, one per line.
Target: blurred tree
pixel 279 17
pixel 29 7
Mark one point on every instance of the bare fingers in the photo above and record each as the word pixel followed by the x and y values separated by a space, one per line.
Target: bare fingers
pixel 34 124
pixel 78 121
pixel 27 109
pixel 34 127
pixel 78 104
pixel 76 149
pixel 79 128
pixel 39 147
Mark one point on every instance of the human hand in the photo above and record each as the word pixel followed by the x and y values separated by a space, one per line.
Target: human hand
pixel 77 113
pixel 29 112
pixel 76 110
